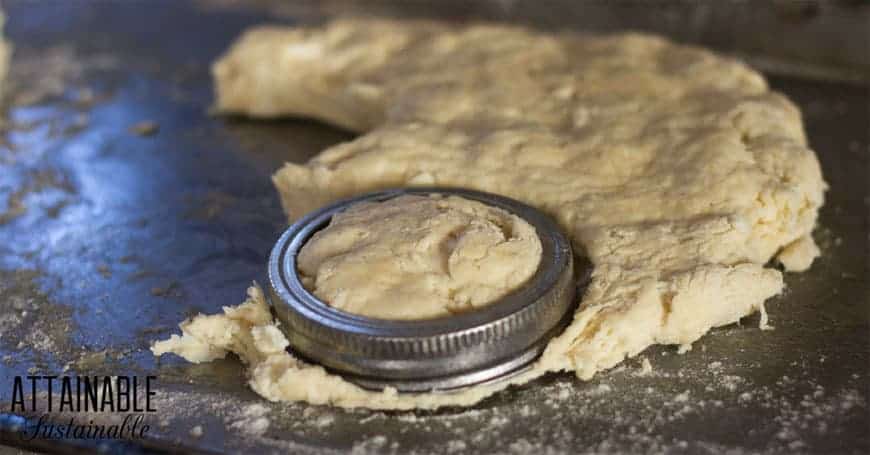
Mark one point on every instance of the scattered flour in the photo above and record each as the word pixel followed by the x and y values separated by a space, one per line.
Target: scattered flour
pixel 252 420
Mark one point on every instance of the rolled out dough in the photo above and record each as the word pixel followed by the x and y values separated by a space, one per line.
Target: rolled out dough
pixel 418 257
pixel 674 170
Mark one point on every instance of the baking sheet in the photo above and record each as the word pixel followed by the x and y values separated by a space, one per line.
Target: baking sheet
pixel 111 234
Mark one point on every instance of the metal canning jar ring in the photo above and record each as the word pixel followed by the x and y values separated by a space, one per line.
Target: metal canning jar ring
pixel 484 345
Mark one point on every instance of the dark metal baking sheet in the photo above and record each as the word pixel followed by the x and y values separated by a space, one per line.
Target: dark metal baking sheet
pixel 109 237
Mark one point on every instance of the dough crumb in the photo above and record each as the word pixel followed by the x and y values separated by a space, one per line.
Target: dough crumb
pixel 763 320
pixel 798 256
pixel 645 368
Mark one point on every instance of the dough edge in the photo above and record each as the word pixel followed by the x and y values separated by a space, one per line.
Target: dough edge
pixel 659 316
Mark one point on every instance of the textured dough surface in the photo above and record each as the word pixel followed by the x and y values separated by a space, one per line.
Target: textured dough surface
pixel 675 171
pixel 418 257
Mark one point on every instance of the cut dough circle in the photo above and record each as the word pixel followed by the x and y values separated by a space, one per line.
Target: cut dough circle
pixel 418 257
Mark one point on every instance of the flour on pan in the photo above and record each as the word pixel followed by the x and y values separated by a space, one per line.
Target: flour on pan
pixel 675 171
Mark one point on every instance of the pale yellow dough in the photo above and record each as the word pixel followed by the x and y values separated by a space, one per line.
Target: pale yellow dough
pixel 418 257
pixel 674 170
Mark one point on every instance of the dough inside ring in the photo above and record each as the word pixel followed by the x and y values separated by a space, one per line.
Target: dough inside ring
pixel 418 257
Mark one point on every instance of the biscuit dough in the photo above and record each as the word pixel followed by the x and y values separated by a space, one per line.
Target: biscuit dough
pixel 418 257
pixel 675 171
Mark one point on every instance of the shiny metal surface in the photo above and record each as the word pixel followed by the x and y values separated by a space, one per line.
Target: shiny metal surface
pixel 108 239
pixel 433 354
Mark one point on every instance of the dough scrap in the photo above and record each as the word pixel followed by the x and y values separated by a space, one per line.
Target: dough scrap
pixel 798 256
pixel 418 257
pixel 675 171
